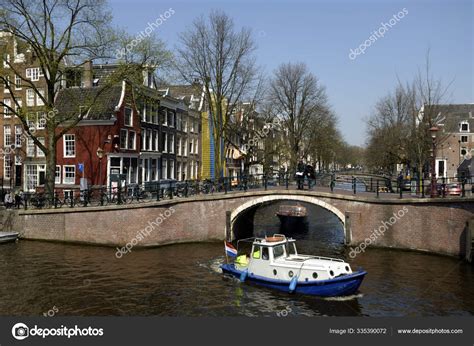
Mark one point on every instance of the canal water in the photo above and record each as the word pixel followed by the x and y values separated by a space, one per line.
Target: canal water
pixel 41 278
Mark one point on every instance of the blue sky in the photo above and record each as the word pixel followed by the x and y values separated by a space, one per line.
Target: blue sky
pixel 321 34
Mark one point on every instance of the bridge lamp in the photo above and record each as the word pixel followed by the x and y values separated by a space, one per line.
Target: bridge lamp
pixel 433 131
pixel 100 154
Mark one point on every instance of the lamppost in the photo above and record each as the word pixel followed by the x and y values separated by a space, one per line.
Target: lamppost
pixel 100 154
pixel 433 189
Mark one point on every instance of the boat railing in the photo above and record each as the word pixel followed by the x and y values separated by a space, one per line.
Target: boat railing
pixel 322 258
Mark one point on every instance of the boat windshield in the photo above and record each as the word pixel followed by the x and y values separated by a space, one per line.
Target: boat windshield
pixel 290 249
pixel 278 251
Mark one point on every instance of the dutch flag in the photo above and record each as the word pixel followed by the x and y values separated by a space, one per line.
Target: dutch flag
pixel 230 250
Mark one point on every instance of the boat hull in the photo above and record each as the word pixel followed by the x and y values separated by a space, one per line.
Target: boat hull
pixel 340 286
pixel 6 237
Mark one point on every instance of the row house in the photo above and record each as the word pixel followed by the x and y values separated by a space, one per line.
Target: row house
pixel 22 162
pixel 105 143
pixel 455 142
pixel 188 129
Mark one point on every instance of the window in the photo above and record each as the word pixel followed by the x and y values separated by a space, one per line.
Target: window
pixel 39 100
pixel 131 140
pixel 7 167
pixel 164 119
pixel 7 136
pixel 180 142
pixel 34 73
pixel 464 139
pixel 256 252
pixel 31 177
pixel 164 169
pixel 57 175
pixel 30 97
pixel 18 132
pixel 30 147
pixel 39 152
pixel 464 126
pixel 154 140
pixel 149 139
pixel 69 145
pixel 191 146
pixel 265 253
pixel 171 169
pixel 170 119
pixel 148 113
pixel 6 60
pixel 165 143
pixel 154 115
pixel 278 251
pixel 69 174
pixel 143 141
pixel 144 112
pixel 7 84
pixel 196 149
pixel 18 82
pixel 6 109
pixel 41 120
pixel 185 147
pixel 18 106
pixel 123 139
pixel 171 143
pixel 128 117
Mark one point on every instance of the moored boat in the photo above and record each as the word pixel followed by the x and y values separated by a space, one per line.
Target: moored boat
pixel 6 237
pixel 275 263
pixel 292 216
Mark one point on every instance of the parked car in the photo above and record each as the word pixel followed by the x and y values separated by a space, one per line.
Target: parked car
pixel 453 190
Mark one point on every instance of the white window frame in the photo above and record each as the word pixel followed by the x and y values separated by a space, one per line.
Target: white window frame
pixel 7 134
pixel 30 147
pixel 57 175
pixel 18 81
pixel 125 117
pixel 30 97
pixel 68 180
pixel 39 152
pixel 6 111
pixel 65 141
pixel 7 167
pixel 7 85
pixel 18 135
pixel 134 140
pixel 124 144
pixel 464 123
pixel 39 101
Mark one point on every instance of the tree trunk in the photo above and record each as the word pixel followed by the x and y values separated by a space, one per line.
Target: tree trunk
pixel 50 165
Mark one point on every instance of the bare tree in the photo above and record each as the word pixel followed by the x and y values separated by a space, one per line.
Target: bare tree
pixel 298 98
pixel 57 34
pixel 214 52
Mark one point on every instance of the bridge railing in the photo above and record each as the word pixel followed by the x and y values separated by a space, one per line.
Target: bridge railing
pixel 169 189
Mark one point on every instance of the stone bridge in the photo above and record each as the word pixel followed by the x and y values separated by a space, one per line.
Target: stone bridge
pixel 432 225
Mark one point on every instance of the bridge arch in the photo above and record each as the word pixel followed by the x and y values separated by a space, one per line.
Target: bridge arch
pixel 253 203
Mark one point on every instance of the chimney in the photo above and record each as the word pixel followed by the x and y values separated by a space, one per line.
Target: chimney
pixel 87 75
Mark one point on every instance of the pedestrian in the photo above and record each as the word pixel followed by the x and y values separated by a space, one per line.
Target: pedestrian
pixel 300 175
pixel 8 200
pixel 18 200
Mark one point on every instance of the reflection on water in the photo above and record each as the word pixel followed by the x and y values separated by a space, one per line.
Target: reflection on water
pixel 185 280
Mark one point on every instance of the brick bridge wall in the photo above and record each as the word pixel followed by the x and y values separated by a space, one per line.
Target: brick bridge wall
pixel 437 226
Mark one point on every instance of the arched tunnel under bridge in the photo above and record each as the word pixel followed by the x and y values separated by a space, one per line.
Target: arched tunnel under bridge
pixel 248 219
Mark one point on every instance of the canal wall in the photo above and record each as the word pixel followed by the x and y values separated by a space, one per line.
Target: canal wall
pixel 431 225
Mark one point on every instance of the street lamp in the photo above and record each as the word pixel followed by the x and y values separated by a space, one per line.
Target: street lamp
pixel 433 131
pixel 100 154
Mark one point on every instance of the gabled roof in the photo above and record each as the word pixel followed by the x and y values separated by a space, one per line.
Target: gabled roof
pixel 191 94
pixel 451 115
pixel 103 102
